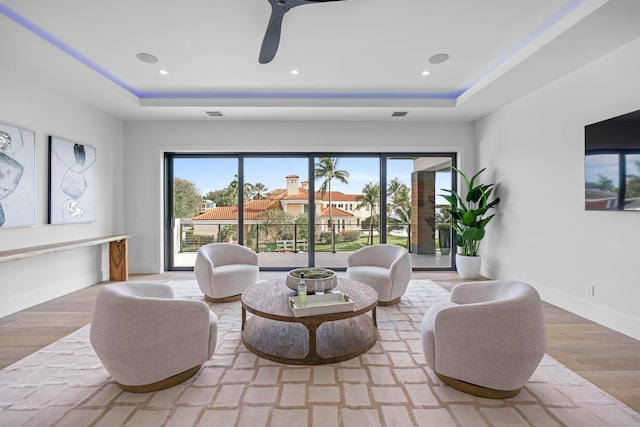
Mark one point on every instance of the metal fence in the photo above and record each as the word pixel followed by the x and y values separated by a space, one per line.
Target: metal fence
pixel 288 237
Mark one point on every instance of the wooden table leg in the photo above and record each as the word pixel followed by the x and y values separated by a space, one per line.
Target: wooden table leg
pixel 306 344
pixel 375 317
pixel 313 355
pixel 244 318
pixel 118 261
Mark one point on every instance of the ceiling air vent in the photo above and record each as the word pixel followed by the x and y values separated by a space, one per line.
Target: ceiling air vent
pixel 214 113
pixel 399 113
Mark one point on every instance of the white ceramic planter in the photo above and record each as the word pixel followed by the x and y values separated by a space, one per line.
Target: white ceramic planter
pixel 468 266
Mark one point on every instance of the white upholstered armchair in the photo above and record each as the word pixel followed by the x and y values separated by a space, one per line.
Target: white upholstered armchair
pixel 386 268
pixel 488 339
pixel 225 270
pixel 146 339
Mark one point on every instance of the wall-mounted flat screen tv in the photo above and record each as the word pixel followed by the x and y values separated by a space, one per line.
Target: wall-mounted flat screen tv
pixel 612 164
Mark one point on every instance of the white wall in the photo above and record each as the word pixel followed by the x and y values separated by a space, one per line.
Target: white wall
pixel 534 149
pixel 147 141
pixel 29 104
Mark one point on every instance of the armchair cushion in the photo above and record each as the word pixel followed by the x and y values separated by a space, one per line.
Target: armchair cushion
pixel 143 335
pixel 490 334
pixel 225 270
pixel 386 268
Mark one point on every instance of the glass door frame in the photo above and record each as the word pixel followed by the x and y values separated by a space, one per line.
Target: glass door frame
pixel 310 201
pixel 169 221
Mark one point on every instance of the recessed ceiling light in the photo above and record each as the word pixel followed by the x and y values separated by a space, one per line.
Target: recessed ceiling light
pixel 164 72
pixel 295 72
pixel 147 57
pixel 438 58
pixel 426 73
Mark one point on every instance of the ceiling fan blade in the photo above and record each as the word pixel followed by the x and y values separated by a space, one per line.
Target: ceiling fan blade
pixel 271 38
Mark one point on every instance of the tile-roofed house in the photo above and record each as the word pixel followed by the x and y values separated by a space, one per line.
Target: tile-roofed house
pixel 335 213
pixel 343 219
pixel 218 213
pixel 301 194
pixel 338 196
pixel 212 220
pixel 293 200
pixel 252 210
pixel 600 199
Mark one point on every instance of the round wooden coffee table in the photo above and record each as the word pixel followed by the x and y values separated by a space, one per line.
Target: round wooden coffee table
pixel 276 334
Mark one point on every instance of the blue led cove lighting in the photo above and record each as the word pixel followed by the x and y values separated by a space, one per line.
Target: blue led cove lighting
pixel 141 94
pixel 45 35
pixel 40 32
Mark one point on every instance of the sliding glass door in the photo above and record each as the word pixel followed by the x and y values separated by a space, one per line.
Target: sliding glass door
pixel 347 207
pixel 301 209
pixel 202 206
pixel 418 218
pixel 276 209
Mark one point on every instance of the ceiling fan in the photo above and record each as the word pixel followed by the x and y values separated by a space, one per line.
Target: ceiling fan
pixel 272 35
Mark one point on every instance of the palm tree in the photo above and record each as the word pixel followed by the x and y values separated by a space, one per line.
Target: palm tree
pixel 633 182
pixel 605 183
pixel 246 193
pixel 231 191
pixel 400 201
pixel 394 187
pixel 369 198
pixel 327 168
pixel 258 191
pixel 393 191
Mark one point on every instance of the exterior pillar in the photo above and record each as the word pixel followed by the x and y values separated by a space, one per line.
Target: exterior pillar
pixel 423 212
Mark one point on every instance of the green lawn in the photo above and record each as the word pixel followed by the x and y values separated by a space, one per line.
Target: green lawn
pixel 193 243
pixel 320 247
pixel 354 246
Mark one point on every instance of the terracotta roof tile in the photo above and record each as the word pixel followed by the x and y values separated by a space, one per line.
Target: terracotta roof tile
pixel 254 207
pixel 334 212
pixel 229 213
pixel 218 213
pixel 303 194
pixel 338 196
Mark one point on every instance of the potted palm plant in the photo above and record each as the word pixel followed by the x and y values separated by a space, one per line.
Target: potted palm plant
pixel 469 217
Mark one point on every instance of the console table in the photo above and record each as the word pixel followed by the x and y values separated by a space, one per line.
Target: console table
pixel 118 256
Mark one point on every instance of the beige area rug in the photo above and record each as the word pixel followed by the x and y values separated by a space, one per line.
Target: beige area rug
pixel 64 384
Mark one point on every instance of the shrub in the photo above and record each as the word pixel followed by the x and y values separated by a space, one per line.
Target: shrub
pixel 348 236
pixel 325 237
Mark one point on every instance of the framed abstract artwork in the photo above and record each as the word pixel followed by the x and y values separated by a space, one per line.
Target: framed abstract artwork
pixel 72 182
pixel 17 177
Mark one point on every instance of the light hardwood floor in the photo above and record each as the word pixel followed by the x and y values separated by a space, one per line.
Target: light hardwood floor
pixel 605 357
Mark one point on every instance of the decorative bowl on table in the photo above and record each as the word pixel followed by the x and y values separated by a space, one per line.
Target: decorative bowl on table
pixel 313 277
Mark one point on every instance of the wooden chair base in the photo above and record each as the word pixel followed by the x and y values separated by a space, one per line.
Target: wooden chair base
pixel 477 390
pixel 162 384
pixel 225 299
pixel 392 302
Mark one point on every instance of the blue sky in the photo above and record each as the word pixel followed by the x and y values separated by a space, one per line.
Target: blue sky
pixel 209 174
pixel 607 165
pixel 602 164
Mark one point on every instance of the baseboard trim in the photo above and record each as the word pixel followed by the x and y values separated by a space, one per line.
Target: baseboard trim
pixel 619 322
